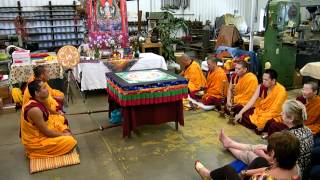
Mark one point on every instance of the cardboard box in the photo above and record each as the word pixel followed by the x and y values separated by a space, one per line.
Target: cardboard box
pixel 9 108
pixel 5 92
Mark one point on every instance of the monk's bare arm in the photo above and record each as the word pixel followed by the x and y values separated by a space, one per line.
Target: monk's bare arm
pixel 36 115
pixel 251 101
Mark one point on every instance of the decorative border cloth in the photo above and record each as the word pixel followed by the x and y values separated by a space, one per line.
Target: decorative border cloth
pixel 133 94
pixel 21 72
pixel 145 85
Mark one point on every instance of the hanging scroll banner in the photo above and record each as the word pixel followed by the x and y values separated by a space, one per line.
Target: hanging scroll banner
pixel 107 18
pixel 124 23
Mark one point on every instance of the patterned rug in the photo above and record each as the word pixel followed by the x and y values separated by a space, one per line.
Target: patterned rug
pixel 43 164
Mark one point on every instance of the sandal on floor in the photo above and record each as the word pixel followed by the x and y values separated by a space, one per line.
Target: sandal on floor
pixel 198 169
pixel 264 136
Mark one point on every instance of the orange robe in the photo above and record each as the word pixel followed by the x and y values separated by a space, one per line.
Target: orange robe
pixel 313 112
pixel 36 144
pixel 52 104
pixel 245 88
pixel 269 107
pixel 195 77
pixel 215 87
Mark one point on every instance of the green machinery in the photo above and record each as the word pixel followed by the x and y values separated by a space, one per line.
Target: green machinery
pixel 282 20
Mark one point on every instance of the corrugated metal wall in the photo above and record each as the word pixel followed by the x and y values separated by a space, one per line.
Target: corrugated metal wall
pixel 5 3
pixel 209 9
pixel 199 9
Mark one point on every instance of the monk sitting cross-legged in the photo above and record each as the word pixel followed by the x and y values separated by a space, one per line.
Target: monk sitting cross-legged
pixel 242 87
pixel 42 134
pixel 265 104
pixel 312 103
pixel 55 100
pixel 216 83
pixel 193 73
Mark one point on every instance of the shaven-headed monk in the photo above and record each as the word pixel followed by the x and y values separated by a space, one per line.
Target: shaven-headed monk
pixel 312 103
pixel 216 83
pixel 193 73
pixel 41 134
pixel 55 99
pixel 265 104
pixel 242 86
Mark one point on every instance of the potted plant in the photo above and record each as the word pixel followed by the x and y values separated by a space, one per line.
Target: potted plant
pixel 168 27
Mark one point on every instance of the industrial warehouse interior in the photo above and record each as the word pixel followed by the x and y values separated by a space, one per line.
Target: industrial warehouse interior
pixel 150 89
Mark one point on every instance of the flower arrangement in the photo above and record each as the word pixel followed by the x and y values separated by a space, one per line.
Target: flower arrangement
pixel 135 42
pixel 104 41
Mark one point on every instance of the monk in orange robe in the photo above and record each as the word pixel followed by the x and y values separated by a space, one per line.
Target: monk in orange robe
pixel 265 104
pixel 43 135
pixel 216 85
pixel 55 100
pixel 242 86
pixel 193 73
pixel 312 103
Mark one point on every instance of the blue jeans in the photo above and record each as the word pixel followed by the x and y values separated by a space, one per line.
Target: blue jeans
pixel 315 173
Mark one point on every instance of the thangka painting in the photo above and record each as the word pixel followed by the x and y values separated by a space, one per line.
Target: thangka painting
pixel 108 19
pixel 154 75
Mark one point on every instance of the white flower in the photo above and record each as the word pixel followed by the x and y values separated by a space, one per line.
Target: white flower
pixel 141 39
pixel 120 38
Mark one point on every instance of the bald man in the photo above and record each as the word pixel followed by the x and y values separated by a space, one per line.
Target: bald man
pixel 216 85
pixel 193 73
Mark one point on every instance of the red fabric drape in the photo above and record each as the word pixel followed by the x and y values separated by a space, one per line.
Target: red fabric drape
pixel 145 101
pixel 134 116
pixel 103 2
pixel 124 23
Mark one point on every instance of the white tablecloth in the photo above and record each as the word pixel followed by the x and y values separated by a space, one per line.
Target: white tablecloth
pixel 312 70
pixel 149 61
pixel 93 74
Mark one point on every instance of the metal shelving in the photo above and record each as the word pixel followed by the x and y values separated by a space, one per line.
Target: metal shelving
pixel 43 24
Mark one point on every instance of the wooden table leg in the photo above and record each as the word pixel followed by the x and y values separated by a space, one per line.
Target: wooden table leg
pixel 177 125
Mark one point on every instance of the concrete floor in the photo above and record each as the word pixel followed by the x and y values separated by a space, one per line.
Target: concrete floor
pixel 157 152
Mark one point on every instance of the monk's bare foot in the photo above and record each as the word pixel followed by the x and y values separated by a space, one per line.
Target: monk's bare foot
pixel 202 171
pixel 225 140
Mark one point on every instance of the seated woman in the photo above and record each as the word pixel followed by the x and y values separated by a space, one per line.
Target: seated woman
pixel 279 163
pixel 293 114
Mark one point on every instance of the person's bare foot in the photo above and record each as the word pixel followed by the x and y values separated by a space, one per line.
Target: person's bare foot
pixel 225 140
pixel 201 170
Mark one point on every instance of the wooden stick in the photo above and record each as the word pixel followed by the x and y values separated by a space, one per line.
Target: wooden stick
pixel 222 113
pixel 101 128
pixel 231 117
pixel 87 112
